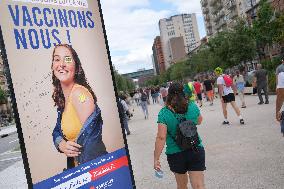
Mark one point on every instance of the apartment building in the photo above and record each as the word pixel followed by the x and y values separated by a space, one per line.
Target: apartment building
pixel 158 57
pixel 182 25
pixel 222 14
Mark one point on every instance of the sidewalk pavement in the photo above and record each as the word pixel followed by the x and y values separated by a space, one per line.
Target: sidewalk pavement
pixel 238 156
pixel 14 177
pixel 8 130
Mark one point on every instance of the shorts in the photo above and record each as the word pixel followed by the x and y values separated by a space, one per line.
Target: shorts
pixel 228 98
pixel 187 160
pixel 210 93
pixel 199 96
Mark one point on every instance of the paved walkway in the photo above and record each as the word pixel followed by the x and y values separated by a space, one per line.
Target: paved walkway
pixel 14 177
pixel 237 157
pixel 4 131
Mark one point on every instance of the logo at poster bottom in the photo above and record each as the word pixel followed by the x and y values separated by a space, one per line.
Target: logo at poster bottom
pixel 108 171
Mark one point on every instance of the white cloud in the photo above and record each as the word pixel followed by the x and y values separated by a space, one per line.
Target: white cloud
pixel 131 27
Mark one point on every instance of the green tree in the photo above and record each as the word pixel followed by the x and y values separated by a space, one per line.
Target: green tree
pixel 242 44
pixel 180 70
pixel 122 83
pixel 3 98
pixel 279 25
pixel 264 28
pixel 220 48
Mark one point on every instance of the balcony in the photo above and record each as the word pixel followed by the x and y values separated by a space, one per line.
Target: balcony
pixel 204 3
pixel 216 18
pixel 209 32
pixel 208 25
pixel 205 10
pixel 213 2
pixel 221 24
pixel 233 15
pixel 220 15
pixel 219 6
pixel 207 18
pixel 231 4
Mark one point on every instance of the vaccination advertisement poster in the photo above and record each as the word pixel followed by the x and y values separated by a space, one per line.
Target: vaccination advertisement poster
pixel 64 97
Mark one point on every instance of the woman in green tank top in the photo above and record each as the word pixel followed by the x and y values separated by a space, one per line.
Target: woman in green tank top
pixel 185 164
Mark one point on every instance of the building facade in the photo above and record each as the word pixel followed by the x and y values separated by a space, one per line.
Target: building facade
pixel 183 25
pixel 177 48
pixel 222 14
pixel 158 57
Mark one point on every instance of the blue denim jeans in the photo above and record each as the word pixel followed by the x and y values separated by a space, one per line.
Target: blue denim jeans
pixel 144 108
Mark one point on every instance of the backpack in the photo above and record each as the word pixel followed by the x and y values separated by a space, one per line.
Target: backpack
pixel 144 97
pixel 186 134
pixel 228 80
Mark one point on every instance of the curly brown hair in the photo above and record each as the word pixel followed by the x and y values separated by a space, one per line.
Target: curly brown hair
pixel 176 98
pixel 79 78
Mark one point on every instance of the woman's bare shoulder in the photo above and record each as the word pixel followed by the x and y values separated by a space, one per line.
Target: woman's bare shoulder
pixel 81 96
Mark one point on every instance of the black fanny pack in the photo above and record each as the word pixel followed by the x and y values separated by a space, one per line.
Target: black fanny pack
pixel 186 134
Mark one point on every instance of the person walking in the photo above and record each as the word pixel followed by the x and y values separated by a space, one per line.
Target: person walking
pixel 227 95
pixel 153 94
pixel 261 83
pixel 198 90
pixel 280 94
pixel 137 98
pixel 208 86
pixel 185 164
pixel 144 103
pixel 239 82
pixel 122 110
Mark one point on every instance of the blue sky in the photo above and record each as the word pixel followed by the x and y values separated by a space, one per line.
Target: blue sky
pixel 132 25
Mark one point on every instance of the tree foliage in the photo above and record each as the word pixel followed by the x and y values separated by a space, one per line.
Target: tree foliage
pixel 2 96
pixel 233 47
pixel 264 27
pixel 122 83
pixel 279 26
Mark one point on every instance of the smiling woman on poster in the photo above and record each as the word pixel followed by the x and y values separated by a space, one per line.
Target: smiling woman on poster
pixel 78 131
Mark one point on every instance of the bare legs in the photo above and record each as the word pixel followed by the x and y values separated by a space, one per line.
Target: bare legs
pixel 196 180
pixel 235 107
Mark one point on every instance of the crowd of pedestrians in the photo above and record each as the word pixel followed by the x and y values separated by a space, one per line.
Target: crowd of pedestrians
pixel 180 101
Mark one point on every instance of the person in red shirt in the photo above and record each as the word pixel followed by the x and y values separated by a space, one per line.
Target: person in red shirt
pixel 198 90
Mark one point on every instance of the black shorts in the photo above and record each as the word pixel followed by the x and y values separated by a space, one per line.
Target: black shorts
pixel 228 98
pixel 187 160
pixel 199 96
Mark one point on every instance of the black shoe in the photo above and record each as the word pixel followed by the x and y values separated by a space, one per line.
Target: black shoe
pixel 266 102
pixel 225 123
pixel 128 133
pixel 243 107
pixel 260 103
pixel 242 122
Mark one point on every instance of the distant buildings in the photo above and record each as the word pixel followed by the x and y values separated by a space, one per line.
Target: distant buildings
pixel 179 31
pixel 140 76
pixel 158 57
pixel 220 15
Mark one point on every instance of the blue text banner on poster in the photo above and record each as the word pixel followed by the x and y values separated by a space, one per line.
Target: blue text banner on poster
pixel 37 27
pixel 109 171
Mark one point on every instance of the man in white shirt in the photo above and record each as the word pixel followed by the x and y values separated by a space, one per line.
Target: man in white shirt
pixel 227 96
